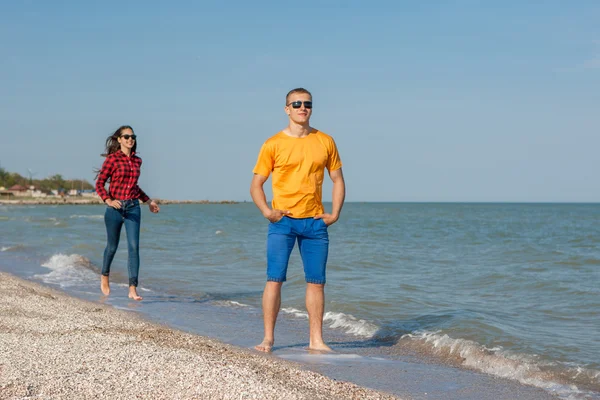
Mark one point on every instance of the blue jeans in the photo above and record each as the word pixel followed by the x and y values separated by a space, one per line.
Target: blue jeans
pixel 313 242
pixel 130 214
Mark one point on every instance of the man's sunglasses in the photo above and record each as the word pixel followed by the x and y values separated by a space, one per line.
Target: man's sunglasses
pixel 127 137
pixel 298 104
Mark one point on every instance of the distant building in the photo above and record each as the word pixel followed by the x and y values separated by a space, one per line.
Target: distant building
pixel 19 190
pixel 6 194
pixel 38 193
pixel 89 193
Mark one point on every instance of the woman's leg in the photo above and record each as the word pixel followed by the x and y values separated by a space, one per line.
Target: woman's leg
pixel 113 221
pixel 132 226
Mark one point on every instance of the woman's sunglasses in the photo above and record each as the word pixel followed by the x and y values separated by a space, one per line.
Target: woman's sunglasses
pixel 127 137
pixel 298 104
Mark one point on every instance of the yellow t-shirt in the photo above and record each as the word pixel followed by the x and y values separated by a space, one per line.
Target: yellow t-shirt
pixel 298 166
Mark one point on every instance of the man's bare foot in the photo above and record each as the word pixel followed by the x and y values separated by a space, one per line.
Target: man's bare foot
pixel 104 285
pixel 266 346
pixel 319 348
pixel 133 293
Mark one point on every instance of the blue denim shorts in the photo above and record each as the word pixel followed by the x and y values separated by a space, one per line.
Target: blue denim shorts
pixel 313 242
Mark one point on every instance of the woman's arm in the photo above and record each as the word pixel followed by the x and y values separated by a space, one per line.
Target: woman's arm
pixel 105 173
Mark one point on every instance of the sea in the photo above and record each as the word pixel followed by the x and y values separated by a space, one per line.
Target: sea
pixel 467 292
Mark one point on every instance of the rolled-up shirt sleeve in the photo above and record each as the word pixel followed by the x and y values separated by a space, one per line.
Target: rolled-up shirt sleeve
pixel 142 195
pixel 105 172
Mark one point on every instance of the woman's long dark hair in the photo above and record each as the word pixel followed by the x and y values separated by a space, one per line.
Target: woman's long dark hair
pixel 113 145
pixel 112 142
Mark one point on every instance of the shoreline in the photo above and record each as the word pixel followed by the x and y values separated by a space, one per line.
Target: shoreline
pixel 96 201
pixel 57 345
pixel 53 345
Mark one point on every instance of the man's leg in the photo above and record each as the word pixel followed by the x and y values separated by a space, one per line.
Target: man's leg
pixel 271 303
pixel 315 305
pixel 314 249
pixel 280 242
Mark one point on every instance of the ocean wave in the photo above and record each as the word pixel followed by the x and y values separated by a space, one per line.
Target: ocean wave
pixel 231 303
pixel 69 270
pixel 12 248
pixel 237 304
pixel 88 216
pixel 55 221
pixel 566 381
pixel 351 324
pixel 346 322
pixel 295 312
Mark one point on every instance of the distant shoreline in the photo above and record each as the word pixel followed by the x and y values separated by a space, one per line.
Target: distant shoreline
pixel 96 201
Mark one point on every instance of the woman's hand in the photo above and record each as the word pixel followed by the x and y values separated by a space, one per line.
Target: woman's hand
pixel 116 204
pixel 153 206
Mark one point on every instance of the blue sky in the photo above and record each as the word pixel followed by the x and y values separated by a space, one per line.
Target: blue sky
pixel 427 101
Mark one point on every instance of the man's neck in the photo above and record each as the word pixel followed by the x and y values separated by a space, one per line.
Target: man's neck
pixel 298 130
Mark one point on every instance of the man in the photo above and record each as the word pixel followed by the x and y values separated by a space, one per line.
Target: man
pixel 297 157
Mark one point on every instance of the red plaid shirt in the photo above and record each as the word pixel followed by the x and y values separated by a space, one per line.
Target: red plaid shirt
pixel 123 172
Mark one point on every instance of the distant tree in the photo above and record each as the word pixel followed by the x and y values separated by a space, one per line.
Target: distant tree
pixel 3 177
pixel 54 182
pixel 58 181
pixel 12 179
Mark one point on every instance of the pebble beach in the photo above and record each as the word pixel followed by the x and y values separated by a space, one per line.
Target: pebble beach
pixel 53 346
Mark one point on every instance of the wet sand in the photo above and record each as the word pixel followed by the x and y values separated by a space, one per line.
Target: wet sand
pixel 54 346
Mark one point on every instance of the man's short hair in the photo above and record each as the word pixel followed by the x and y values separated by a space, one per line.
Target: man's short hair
pixel 297 90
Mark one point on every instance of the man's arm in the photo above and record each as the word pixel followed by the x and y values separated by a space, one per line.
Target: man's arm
pixel 339 192
pixel 337 198
pixel 260 199
pixel 258 194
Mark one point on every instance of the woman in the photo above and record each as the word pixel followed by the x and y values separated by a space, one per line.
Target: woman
pixel 122 168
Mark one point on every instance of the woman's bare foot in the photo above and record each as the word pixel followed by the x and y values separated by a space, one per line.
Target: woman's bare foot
pixel 319 348
pixel 133 293
pixel 266 346
pixel 104 285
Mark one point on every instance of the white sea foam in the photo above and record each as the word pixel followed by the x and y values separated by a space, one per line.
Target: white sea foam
pixel 295 312
pixel 501 363
pixel 235 303
pixel 348 323
pixel 218 232
pixel 11 248
pixel 351 324
pixel 88 216
pixel 126 285
pixel 231 303
pixel 68 270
